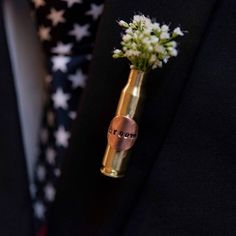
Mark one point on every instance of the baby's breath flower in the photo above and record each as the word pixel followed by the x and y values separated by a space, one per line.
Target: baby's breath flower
pixel 156 27
pixel 177 31
pixel 147 44
pixel 159 49
pixel 164 35
pixel 165 59
pixel 150 49
pixel 123 24
pixel 126 37
pixel 164 28
pixel 129 31
pixel 171 44
pixel 117 53
pixel 172 51
pixel 152 59
pixel 141 19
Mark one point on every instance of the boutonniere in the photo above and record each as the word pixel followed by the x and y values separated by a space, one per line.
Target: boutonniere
pixel 147 45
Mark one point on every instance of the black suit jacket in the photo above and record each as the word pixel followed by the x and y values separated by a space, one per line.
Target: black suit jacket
pixel 15 203
pixel 181 178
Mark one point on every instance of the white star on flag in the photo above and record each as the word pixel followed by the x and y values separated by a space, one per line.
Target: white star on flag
pixel 62 137
pixel 78 79
pixel 50 155
pixel 80 31
pixel 44 33
pixel 62 48
pixel 70 3
pixel 60 99
pixel 95 11
pixel 56 16
pixel 49 192
pixel 39 210
pixel 59 63
pixel 38 3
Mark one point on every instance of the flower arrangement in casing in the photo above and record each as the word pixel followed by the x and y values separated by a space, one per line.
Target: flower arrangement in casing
pixel 147 44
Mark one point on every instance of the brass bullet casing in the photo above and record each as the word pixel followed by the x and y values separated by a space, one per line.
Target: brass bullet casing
pixel 123 129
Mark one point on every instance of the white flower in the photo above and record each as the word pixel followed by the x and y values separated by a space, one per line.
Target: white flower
pixel 150 48
pixel 141 19
pixel 171 44
pixel 177 31
pixel 164 35
pixel 165 60
pixel 157 63
pixel 123 23
pixel 173 52
pixel 126 37
pixel 154 40
pixel 159 48
pixel 152 59
pixel 164 28
pixel 132 53
pixel 147 44
pixel 156 27
pixel 117 51
pixel 129 31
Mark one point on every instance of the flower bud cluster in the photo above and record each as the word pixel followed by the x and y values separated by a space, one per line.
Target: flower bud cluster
pixel 146 44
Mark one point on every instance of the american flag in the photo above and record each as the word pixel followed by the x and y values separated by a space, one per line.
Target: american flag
pixel 67 30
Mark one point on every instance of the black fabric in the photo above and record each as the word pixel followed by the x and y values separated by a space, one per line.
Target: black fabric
pixel 181 177
pixel 15 204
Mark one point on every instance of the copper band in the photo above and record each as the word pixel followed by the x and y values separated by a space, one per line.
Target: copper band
pixel 122 133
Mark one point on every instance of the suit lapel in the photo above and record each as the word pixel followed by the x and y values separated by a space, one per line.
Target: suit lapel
pixel 15 201
pixel 191 187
